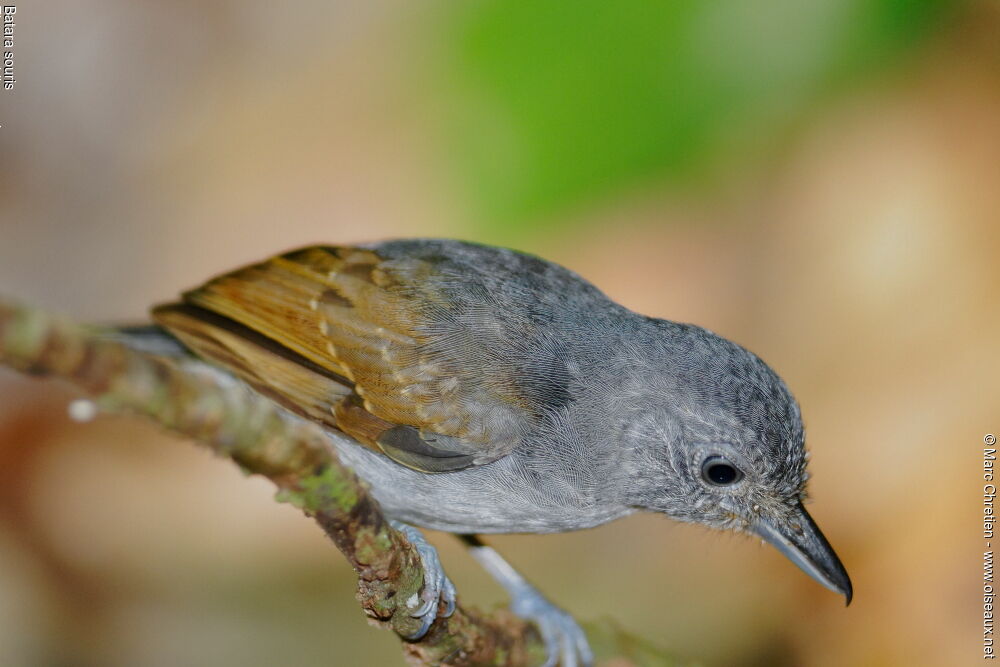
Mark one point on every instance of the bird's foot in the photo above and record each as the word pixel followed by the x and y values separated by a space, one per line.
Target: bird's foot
pixel 565 641
pixel 437 586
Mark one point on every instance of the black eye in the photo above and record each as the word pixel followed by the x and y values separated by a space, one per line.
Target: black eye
pixel 720 472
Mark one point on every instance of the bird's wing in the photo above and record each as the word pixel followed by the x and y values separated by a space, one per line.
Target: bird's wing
pixel 369 345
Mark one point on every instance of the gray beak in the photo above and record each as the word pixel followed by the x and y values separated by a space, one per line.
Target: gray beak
pixel 798 537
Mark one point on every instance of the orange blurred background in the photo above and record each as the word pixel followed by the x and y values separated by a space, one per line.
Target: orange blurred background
pixel 819 182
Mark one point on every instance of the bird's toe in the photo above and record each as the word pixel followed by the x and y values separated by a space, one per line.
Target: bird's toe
pixel 565 641
pixel 437 587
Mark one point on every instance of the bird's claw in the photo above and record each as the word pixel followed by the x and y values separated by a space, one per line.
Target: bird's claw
pixel 437 586
pixel 565 641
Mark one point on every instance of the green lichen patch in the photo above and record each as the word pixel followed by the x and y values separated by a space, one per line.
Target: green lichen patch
pixel 371 545
pixel 329 489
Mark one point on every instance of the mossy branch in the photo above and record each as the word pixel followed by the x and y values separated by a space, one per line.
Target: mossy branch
pixel 220 413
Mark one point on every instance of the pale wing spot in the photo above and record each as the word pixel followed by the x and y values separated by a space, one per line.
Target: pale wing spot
pixel 381 332
pixel 406 388
pixel 428 372
pixel 314 303
pixel 343 368
pixel 324 327
pixel 449 385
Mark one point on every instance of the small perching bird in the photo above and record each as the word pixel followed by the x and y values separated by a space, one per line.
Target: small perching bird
pixel 489 391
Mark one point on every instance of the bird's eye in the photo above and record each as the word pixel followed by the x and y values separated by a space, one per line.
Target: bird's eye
pixel 718 471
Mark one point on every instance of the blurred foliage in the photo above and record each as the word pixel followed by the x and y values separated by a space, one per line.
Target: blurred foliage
pixel 552 106
pixel 612 643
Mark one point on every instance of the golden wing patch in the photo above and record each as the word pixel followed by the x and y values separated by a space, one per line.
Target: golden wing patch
pixel 337 334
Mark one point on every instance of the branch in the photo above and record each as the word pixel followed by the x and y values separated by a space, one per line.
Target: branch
pixel 221 413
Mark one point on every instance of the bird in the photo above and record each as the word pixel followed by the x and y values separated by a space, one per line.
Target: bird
pixel 484 390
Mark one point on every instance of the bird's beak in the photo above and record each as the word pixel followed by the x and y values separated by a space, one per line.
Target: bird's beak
pixel 798 537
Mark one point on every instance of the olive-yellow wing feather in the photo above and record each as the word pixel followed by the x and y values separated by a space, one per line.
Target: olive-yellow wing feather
pixel 362 343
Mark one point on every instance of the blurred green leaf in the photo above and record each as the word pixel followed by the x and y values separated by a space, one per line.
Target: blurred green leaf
pixel 549 105
pixel 610 642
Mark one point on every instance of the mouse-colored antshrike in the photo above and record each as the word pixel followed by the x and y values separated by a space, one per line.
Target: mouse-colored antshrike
pixel 490 391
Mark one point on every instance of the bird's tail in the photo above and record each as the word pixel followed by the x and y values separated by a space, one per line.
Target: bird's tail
pixel 149 338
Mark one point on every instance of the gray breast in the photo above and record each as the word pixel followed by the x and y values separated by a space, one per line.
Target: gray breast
pixel 516 494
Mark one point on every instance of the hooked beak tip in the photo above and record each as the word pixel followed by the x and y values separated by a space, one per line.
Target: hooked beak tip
pixel 800 540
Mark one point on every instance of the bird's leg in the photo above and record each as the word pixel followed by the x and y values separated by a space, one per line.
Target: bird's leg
pixel 564 640
pixel 437 585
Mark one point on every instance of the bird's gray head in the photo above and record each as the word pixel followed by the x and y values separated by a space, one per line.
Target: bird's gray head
pixel 717 439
